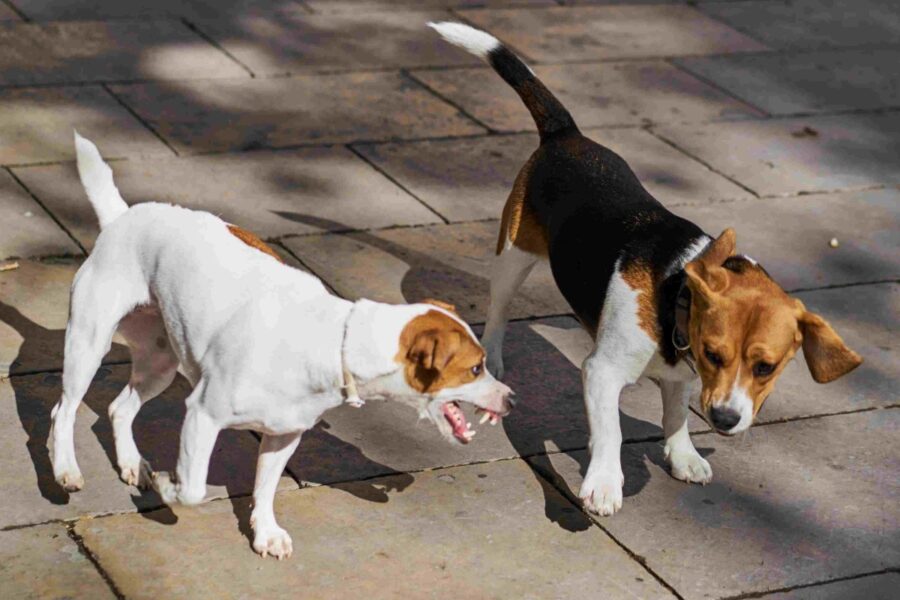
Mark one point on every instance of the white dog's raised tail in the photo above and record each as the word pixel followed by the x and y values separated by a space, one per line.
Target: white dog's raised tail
pixel 97 179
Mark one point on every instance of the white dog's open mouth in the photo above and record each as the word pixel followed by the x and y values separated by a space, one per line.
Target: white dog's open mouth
pixel 462 429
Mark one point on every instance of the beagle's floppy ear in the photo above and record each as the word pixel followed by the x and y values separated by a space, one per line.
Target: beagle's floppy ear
pixel 826 354
pixel 719 249
pixel 440 304
pixel 706 276
pixel 705 281
pixel 434 348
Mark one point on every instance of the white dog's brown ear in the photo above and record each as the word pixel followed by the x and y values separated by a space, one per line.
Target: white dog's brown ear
pixel 433 348
pixel 827 356
pixel 440 304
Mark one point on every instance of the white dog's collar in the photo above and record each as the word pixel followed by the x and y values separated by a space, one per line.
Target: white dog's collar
pixel 348 387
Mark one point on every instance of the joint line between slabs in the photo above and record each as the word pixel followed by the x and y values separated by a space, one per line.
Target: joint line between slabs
pixel 672 144
pixel 396 182
pixel 465 113
pixel 17 11
pixel 764 114
pixel 46 210
pixel 815 584
pixel 634 556
pixel 212 42
pixel 140 119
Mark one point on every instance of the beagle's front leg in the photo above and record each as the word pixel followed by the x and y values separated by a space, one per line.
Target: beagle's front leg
pixel 601 490
pixel 684 460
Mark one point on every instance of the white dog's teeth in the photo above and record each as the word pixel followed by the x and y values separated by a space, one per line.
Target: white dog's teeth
pixel 468 426
pixel 494 420
pixel 484 418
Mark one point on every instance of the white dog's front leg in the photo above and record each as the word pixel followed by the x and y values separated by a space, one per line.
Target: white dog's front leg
pixel 601 491
pixel 684 460
pixel 268 538
pixel 198 438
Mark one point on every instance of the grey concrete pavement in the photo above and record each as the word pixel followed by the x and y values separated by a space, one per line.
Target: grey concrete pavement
pixel 367 151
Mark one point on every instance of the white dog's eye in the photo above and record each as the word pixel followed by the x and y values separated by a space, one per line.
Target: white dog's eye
pixel 476 370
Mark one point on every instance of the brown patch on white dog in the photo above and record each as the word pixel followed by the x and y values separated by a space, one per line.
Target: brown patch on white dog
pixel 253 240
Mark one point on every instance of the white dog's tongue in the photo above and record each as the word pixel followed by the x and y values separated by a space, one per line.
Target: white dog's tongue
pixel 461 429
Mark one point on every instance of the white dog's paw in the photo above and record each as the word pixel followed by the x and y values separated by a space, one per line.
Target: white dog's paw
pixel 165 487
pixel 601 492
pixel 70 480
pixel 690 467
pixel 273 541
pixel 137 473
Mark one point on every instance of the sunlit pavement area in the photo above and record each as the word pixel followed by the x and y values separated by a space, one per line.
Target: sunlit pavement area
pixel 372 154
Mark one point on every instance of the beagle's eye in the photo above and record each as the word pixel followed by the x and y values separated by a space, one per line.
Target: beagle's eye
pixel 476 370
pixel 763 369
pixel 713 358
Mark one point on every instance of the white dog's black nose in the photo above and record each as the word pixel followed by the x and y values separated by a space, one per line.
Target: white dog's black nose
pixel 723 419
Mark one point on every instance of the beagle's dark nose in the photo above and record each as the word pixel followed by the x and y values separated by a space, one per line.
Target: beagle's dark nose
pixel 723 419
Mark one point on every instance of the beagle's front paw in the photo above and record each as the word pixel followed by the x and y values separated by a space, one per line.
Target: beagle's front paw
pixel 690 467
pixel 601 492
pixel 164 486
pixel 274 541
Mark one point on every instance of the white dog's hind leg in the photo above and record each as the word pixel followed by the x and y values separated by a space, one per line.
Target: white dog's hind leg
pixel 268 537
pixel 683 458
pixel 510 269
pixel 153 368
pixel 198 437
pixel 92 322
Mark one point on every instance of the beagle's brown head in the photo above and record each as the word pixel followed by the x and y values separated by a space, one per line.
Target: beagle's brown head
pixel 442 361
pixel 744 329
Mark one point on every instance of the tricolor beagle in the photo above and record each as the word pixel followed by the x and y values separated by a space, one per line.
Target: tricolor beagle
pixel 661 298
pixel 265 346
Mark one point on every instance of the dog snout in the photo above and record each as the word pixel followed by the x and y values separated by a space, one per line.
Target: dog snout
pixel 723 418
pixel 502 401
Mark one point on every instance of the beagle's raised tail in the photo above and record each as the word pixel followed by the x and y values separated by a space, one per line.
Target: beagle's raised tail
pixel 550 116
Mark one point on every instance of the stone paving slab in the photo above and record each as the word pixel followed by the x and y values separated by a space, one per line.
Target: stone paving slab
pixel 453 533
pixel 798 155
pixel 784 84
pixel 27 229
pixel 287 41
pixel 44 53
pixel 602 32
pixel 448 262
pixel 384 437
pixel 270 193
pixel 34 309
pixel 790 237
pixel 45 563
pixel 26 478
pixel 36 125
pixel 87 10
pixel 783 509
pixel 875 587
pixel 470 179
pixel 628 93
pixel 811 23
pixel 198 116
pixel 345 6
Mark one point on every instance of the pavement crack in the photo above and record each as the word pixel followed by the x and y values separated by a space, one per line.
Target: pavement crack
pixel 85 551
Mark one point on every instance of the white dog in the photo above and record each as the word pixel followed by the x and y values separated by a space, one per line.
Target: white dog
pixel 265 346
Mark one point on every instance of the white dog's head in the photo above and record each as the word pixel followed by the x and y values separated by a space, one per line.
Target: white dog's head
pixel 435 362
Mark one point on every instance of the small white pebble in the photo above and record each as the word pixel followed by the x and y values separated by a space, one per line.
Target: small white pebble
pixel 28 213
pixel 834 243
